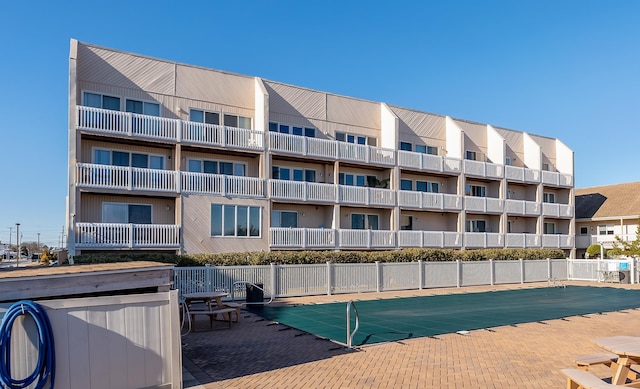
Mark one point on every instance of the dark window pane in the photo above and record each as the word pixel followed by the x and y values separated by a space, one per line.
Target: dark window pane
pixel 92 100
pixel 285 174
pixel 406 185
pixel 360 180
pixel 284 129
pixel 310 132
pixel 195 166
pixel 210 167
pixel 112 103
pixel 212 118
pixel 298 174
pixel 357 221
pixel 289 219
pixel 406 146
pixel 226 168
pixel 297 131
pixel 310 175
pixel 229 220
pixel 139 160
pixel 341 179
pixel 134 106
pixel 421 186
pixel 275 172
pixel 362 140
pixel 348 179
pixel 151 109
pixel 340 136
pixel 421 149
pixel 254 221
pixel 231 120
pixel 241 221
pixel 238 170
pixel 273 126
pixel 216 220
pixel 351 139
pixel 139 214
pixel 120 159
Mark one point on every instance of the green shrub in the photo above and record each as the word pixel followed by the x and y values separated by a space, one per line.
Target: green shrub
pixel 593 251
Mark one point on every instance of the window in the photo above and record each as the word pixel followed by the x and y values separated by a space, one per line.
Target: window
pixel 309 132
pixel 476 191
pixel 509 225
pixel 101 101
pixel 126 213
pixel 471 155
pixel 427 186
pixel 361 221
pixel 406 185
pixel 605 229
pixel 478 225
pixel 142 107
pixel 549 228
pixel 237 121
pixel 196 115
pixel 217 167
pixel 427 149
pixel 351 179
pixel 357 139
pixel 584 231
pixel 548 197
pixel 235 220
pixel 507 161
pixel 406 223
pixel 285 219
pixel 545 166
pixel 124 158
pixel 404 146
pixel 285 173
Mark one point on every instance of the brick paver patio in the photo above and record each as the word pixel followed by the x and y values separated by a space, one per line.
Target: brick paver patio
pixel 256 353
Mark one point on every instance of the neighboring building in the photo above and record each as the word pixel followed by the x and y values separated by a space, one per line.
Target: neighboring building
pixel 165 156
pixel 604 212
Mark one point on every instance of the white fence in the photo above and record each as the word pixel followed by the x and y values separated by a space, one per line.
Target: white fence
pixel 607 270
pixel 330 278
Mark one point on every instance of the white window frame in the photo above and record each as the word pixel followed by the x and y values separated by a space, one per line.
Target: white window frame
pixel 280 211
pixel 235 228
pixel 471 225
pixel 367 139
pixel 111 150
pixel 304 129
pixel 606 229
pixel 366 220
pixel 549 197
pixel 291 170
pixel 102 94
pixel 127 204
pixel 204 112
pixel 468 191
pixel 218 161
pixel 544 228
pixel 142 101
pixel 238 116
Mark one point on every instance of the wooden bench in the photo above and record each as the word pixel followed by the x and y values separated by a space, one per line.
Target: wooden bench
pixel 212 314
pixel 582 379
pixel 236 306
pixel 584 362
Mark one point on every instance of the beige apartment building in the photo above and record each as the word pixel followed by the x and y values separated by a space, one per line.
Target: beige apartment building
pixel 604 213
pixel 165 156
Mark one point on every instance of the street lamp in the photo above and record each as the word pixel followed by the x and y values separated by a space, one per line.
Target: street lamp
pixel 18 243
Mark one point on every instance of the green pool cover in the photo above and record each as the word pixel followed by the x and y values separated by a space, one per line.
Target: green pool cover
pixel 413 317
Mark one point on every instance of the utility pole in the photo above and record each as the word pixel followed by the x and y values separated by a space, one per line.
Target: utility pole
pixel 10 232
pixel 62 245
pixel 38 246
pixel 18 243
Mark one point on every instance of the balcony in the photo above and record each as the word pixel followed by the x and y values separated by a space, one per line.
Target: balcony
pixel 430 239
pixel 557 210
pixel 428 162
pixel 221 185
pixel 131 125
pixel 522 207
pixel 302 191
pixel 483 169
pixel 90 175
pixel 127 236
pixel 483 204
pixel 483 240
pixel 359 195
pixel 558 241
pixel 557 179
pixel 584 241
pixel 431 201
pixel 522 241
pixel 521 174
pixel 302 238
pixel 367 239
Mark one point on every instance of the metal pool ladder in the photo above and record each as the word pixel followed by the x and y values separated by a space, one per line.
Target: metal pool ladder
pixel 349 333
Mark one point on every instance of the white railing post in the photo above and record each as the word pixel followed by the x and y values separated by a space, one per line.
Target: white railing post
pixel 521 270
pixel 304 238
pixel 459 273
pixel 492 272
pixel 179 131
pixel 420 274
pixel 130 178
pixel 328 278
pixel 178 178
pixel 273 279
pixel 549 268
pixel 378 277
pixel 130 235
pixel 632 268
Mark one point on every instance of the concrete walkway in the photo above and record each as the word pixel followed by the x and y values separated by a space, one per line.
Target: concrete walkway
pixel 256 353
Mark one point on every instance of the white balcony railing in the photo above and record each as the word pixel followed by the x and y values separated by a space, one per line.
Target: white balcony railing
pixel 428 162
pixel 516 173
pixel 584 241
pixel 434 239
pixel 557 179
pixel 557 210
pixel 523 240
pixel 121 235
pixel 483 239
pixel 366 196
pixel 483 204
pixel 367 239
pixel 522 207
pixel 221 136
pixel 302 238
pixel 302 191
pixel 222 185
pixel 423 200
pixel 559 241
pixel 90 175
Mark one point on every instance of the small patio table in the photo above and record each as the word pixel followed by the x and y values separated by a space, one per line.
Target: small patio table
pixel 628 350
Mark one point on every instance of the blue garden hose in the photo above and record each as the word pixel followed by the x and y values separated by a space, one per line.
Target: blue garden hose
pixel 46 366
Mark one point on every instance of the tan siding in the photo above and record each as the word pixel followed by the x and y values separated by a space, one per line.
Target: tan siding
pixel 124 70
pixel 196 229
pixel 309 216
pixel 430 221
pixel 419 127
pixel 91 208
pixel 548 147
pixel 211 85
pixel 515 145
pixel 295 101
pixel 346 110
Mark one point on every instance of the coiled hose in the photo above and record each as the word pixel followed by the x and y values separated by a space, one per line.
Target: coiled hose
pixel 46 366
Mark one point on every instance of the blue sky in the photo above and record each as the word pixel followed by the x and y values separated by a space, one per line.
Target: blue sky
pixel 565 69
